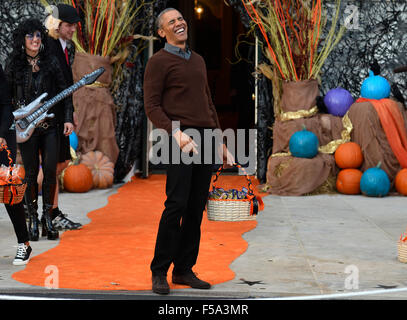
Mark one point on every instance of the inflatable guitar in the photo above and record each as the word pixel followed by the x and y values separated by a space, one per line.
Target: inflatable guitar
pixel 27 118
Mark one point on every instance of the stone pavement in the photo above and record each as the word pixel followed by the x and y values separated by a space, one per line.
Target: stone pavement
pixel 329 245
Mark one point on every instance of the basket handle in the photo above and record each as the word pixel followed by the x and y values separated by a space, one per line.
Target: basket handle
pixel 2 148
pixel 249 182
pixel 256 203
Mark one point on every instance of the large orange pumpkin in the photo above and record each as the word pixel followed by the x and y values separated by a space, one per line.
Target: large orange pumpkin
pixel 101 167
pixel 348 181
pixel 348 155
pixel 401 182
pixel 77 178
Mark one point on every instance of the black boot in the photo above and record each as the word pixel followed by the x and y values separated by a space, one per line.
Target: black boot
pixel 47 227
pixel 33 227
pixel 30 196
pixel 48 192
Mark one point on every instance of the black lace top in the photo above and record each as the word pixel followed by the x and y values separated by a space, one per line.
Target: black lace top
pixel 26 85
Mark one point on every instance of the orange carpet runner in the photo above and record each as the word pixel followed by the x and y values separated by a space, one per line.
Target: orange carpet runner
pixel 114 251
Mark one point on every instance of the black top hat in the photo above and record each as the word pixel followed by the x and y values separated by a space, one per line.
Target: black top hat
pixel 67 13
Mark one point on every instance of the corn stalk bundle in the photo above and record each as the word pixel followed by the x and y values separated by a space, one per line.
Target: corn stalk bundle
pixel 292 36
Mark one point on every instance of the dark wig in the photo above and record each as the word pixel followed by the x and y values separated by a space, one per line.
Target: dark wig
pixel 17 58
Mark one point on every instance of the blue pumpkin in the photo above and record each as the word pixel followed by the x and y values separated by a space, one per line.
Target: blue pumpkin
pixel 375 87
pixel 304 144
pixel 375 182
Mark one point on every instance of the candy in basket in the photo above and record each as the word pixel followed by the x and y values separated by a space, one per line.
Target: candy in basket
pixel 233 204
pixel 219 193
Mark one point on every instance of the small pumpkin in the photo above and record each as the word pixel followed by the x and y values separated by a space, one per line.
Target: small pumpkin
pixel 349 155
pixel 401 182
pixel 348 181
pixel 375 87
pixel 304 144
pixel 338 101
pixel 77 178
pixel 101 167
pixel 375 182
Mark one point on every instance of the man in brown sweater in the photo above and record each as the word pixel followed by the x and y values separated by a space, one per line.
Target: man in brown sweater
pixel 176 89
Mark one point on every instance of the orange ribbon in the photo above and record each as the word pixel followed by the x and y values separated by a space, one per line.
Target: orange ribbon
pixel 393 126
pixel 10 191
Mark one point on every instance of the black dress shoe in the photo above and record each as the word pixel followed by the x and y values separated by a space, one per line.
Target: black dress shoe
pixel 190 279
pixel 160 285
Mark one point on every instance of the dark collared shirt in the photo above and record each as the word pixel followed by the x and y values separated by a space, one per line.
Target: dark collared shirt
pixel 178 51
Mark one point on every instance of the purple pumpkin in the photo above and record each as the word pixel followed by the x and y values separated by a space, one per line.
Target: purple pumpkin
pixel 338 101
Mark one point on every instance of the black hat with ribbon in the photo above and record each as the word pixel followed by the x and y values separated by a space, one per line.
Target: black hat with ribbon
pixel 67 13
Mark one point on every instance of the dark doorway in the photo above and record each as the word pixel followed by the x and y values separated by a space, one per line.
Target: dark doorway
pixel 214 31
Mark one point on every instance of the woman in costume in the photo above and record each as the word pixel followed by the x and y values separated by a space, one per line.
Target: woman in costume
pixel 8 137
pixel 31 71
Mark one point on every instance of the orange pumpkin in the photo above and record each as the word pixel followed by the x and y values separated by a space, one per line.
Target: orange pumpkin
pixel 77 178
pixel 101 167
pixel 401 182
pixel 348 155
pixel 348 181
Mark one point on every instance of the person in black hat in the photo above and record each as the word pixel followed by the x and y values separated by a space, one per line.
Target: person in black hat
pixel 61 25
pixel 66 13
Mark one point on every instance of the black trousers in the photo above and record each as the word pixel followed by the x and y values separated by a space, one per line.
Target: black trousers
pixel 179 231
pixel 16 212
pixel 45 142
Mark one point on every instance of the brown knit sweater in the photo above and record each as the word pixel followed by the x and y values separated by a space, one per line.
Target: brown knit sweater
pixel 176 89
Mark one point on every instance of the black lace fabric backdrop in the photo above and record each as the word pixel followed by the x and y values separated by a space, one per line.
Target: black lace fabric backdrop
pixel 377 32
pixel 128 98
pixel 11 13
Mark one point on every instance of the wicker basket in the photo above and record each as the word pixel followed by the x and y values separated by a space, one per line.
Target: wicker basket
pixel 11 193
pixel 231 209
pixel 402 251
